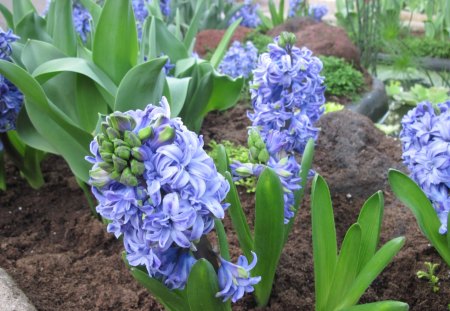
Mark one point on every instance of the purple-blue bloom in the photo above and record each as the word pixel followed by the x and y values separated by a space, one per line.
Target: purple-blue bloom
pixel 6 38
pixel 157 187
pixel 81 21
pixel 294 7
pixel 235 279
pixel 239 60
pixel 318 11
pixel 249 14
pixel 425 138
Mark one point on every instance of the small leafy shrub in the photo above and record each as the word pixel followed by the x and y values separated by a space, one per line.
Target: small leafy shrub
pixel 260 40
pixel 430 275
pixel 341 79
pixel 425 46
pixel 235 153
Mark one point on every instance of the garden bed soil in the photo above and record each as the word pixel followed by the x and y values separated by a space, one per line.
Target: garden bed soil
pixel 63 259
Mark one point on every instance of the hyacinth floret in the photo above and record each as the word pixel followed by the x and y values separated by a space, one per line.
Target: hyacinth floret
pixel 318 11
pixel 249 14
pixel 158 189
pixel 81 20
pixel 239 60
pixel 425 138
pixel 294 7
pixel 235 279
pixel 11 99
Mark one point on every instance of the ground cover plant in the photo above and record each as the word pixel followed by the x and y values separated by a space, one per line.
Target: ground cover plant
pixel 164 196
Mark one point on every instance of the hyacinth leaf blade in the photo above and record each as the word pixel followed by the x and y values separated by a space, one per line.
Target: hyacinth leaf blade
pixel 81 66
pixel 388 305
pixel 221 49
pixel 141 85
pixel 115 47
pixel 274 14
pixel 7 15
pixel 165 296
pixel 370 271
pixel 194 25
pixel 281 11
pixel 89 103
pixel 176 89
pixel 50 122
pixel 269 232
pixel 162 41
pixel 94 9
pixel 230 14
pixel 223 241
pixel 370 219
pixel 35 53
pixel 266 21
pixel 307 159
pixel 222 161
pixel 238 218
pixel 324 240
pixel 408 192
pixel 346 267
pixel 21 9
pixel 64 36
pixel 30 136
pixel 202 287
pixel 32 26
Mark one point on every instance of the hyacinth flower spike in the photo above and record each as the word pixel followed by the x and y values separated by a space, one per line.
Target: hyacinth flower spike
pixel 159 189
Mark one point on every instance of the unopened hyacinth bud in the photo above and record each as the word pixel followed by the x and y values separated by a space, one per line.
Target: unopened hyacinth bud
pixel 257 147
pixel 161 196
pixel 286 40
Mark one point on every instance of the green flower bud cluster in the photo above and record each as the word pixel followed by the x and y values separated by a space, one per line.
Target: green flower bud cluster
pixel 286 40
pixel 257 148
pixel 119 148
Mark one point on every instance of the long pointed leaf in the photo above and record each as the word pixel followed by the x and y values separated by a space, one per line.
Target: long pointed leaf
pixel 178 89
pixel 142 85
pixel 371 270
pixel 21 9
pixel 64 36
pixel 413 197
pixel 194 25
pixel 222 47
pixel 388 305
pixel 324 240
pixel 7 15
pixel 269 232
pixel 202 287
pixel 115 46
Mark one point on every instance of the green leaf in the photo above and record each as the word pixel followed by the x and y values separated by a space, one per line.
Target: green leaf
pixel 219 53
pixel 64 36
pixel 413 197
pixel 274 13
pixel 178 89
pixel 238 218
pixel 166 297
pixel 35 53
pixel 388 305
pixel 222 161
pixel 115 47
pixel 324 240
pixel 307 159
pixel 68 140
pixel 222 237
pixel 141 86
pixel 225 92
pixel 32 26
pixel 346 267
pixel 370 271
pixel 84 67
pixel 269 232
pixel 281 11
pixel 202 287
pixel 194 25
pixel 7 15
pixel 21 9
pixel 32 167
pixel 370 219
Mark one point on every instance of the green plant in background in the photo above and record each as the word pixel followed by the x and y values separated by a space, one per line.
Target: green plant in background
pixel 342 278
pixel 428 47
pixel 235 153
pixel 430 275
pixel 332 107
pixel 341 78
pixel 259 40
pixel 437 24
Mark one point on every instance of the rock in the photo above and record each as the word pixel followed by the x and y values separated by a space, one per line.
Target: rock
pixel 354 155
pixel 11 297
pixel 322 39
pixel 208 40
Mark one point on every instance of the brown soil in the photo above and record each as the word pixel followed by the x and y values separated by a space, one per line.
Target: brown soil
pixel 63 259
